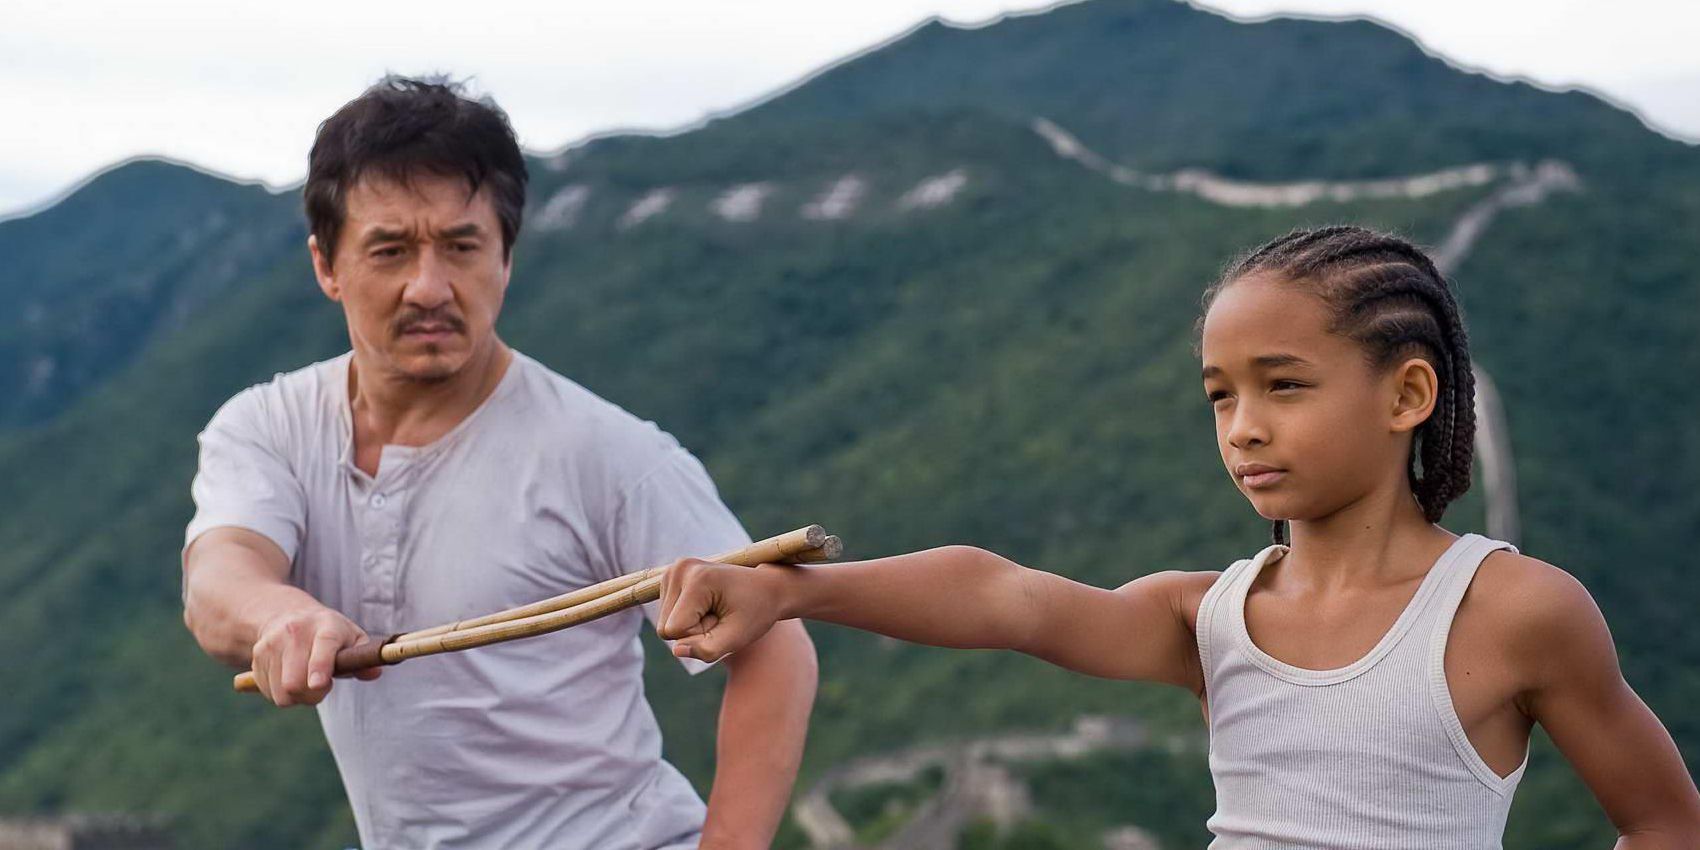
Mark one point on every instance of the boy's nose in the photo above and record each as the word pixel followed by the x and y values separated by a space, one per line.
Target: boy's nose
pixel 1247 432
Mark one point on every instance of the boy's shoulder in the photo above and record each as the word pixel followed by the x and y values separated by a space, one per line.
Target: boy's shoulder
pixel 1528 590
pixel 1533 609
pixel 1184 589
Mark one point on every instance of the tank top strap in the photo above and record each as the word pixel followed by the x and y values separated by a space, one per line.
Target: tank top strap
pixel 1463 570
pixel 1467 557
pixel 1215 625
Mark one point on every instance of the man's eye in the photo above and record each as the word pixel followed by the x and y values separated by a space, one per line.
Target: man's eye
pixel 387 253
pixel 465 247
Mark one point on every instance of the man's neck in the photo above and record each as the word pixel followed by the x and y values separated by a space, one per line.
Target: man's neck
pixel 392 409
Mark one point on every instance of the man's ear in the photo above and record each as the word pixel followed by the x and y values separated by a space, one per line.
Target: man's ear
pixel 1416 390
pixel 322 270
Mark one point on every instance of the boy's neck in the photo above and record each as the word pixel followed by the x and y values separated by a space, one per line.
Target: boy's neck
pixel 1379 539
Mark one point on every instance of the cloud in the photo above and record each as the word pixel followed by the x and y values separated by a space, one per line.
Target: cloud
pixel 240 87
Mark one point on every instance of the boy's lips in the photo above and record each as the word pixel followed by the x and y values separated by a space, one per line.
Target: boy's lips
pixel 1258 475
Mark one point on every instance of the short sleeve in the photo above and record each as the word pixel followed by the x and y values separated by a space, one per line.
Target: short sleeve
pixel 244 479
pixel 673 512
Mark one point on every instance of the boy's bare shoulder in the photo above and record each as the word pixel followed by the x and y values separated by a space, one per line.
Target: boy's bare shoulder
pixel 1517 584
pixel 1184 588
pixel 1532 605
pixel 1189 581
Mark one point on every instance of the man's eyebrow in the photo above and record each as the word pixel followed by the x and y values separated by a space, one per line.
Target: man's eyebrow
pixel 461 231
pixel 382 234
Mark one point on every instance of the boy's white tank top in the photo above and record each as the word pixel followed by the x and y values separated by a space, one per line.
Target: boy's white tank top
pixel 1370 755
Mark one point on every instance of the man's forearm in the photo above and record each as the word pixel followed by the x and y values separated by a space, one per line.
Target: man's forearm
pixel 230 590
pixel 764 718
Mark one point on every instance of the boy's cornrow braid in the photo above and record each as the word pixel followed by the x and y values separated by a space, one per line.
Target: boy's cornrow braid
pixel 1277 253
pixel 1462 432
pixel 1265 256
pixel 1437 436
pixel 1464 429
pixel 1433 488
pixel 1439 440
pixel 1447 445
pixel 1337 233
pixel 1296 257
pixel 1321 249
pixel 1344 244
pixel 1237 268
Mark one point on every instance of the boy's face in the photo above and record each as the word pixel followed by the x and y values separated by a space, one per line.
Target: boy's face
pixel 420 272
pixel 1304 424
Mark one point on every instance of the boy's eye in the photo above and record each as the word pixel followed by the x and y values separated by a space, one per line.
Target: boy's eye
pixel 1279 386
pixel 1216 396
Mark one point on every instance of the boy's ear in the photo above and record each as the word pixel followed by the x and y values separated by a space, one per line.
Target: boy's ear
pixel 1416 390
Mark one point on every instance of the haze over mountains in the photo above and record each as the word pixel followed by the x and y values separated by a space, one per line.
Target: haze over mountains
pixel 940 293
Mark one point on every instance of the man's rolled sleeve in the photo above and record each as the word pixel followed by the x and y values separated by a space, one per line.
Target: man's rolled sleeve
pixel 244 480
pixel 674 512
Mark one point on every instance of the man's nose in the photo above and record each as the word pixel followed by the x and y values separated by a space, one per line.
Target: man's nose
pixel 432 284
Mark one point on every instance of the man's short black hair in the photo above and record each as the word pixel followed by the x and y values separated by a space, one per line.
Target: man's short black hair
pixel 401 127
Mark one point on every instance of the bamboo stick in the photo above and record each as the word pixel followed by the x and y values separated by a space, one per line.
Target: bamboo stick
pixel 642 592
pixel 813 535
pixel 804 545
pixel 830 549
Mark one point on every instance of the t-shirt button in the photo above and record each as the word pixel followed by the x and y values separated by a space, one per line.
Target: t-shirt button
pixel 378 500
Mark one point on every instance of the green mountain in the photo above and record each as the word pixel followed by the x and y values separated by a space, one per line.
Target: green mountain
pixel 135 252
pixel 882 301
pixel 1163 86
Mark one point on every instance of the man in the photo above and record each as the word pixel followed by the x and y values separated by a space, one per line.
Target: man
pixel 433 473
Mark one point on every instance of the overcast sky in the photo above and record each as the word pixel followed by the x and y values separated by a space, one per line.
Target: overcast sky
pixel 239 87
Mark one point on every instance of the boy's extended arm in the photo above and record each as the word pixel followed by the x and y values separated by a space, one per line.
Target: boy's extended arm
pixel 1618 747
pixel 955 596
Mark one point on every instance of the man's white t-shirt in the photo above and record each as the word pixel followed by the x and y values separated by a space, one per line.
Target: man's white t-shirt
pixel 542 742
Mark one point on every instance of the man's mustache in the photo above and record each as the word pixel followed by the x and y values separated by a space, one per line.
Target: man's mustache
pixel 414 318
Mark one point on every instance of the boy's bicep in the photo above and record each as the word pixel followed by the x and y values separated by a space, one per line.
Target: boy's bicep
pixel 1615 742
pixel 1139 631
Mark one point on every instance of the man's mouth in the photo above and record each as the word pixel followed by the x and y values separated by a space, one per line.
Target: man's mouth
pixel 429 331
